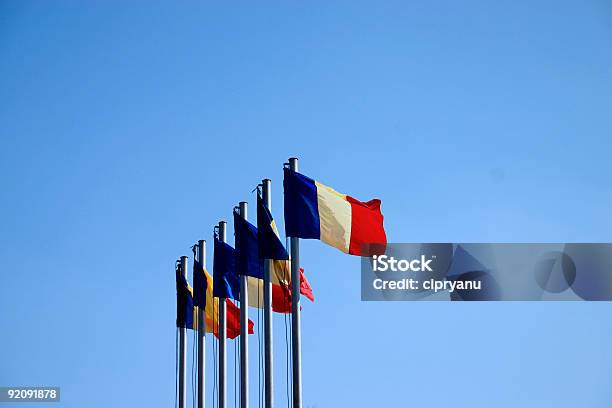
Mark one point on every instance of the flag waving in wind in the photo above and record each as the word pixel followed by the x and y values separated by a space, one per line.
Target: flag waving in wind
pixel 314 210
pixel 200 285
pixel 268 241
pixel 248 260
pixel 247 252
pixel 225 278
pixel 210 305
pixel 271 247
pixel 184 301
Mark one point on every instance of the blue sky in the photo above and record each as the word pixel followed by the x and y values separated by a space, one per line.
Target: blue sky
pixel 128 131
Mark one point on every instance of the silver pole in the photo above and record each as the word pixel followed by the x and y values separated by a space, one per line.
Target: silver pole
pixel 182 363
pixel 222 334
pixel 266 191
pixel 244 329
pixel 295 312
pixel 201 334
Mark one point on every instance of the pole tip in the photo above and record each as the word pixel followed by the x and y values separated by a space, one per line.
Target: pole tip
pixel 201 241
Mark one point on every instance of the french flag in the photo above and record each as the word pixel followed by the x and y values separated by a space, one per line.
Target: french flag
pixel 314 210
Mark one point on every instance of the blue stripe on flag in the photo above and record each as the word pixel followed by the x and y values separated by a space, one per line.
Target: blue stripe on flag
pixel 247 256
pixel 225 279
pixel 200 284
pixel 270 245
pixel 301 208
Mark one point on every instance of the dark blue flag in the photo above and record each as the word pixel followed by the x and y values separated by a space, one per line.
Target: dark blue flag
pixel 269 243
pixel 184 301
pixel 225 279
pixel 301 206
pixel 200 285
pixel 247 256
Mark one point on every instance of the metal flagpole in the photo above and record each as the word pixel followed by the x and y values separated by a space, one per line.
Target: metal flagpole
pixel 222 333
pixel 244 328
pixel 267 295
pixel 201 333
pixel 182 398
pixel 296 336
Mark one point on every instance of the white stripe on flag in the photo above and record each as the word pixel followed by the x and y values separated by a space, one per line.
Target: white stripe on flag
pixel 334 217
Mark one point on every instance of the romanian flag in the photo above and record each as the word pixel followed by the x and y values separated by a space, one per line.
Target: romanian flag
pixel 271 247
pixel 211 309
pixel 248 262
pixel 281 290
pixel 314 210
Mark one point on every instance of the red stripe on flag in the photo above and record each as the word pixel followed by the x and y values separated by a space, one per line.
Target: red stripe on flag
pixel 367 231
pixel 281 294
pixel 281 299
pixel 232 319
pixel 305 288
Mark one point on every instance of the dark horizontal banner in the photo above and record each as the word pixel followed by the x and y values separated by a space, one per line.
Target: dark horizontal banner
pixel 477 271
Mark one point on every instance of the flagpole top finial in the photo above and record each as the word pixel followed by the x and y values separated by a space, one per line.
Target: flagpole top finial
pixel 293 163
pixel 222 230
pixel 242 209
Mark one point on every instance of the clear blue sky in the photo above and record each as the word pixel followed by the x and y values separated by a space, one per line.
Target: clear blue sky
pixel 128 131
